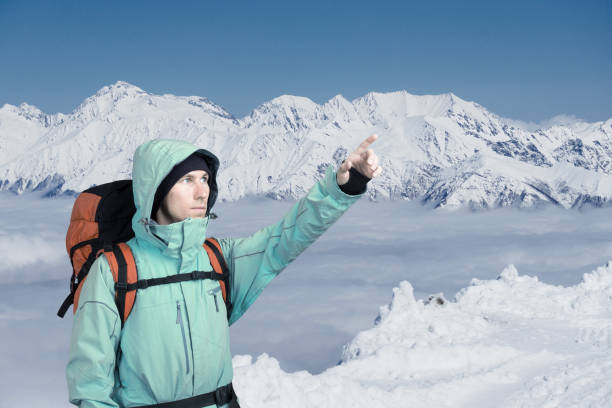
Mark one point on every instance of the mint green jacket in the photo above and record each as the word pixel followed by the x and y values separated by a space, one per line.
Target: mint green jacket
pixel 175 343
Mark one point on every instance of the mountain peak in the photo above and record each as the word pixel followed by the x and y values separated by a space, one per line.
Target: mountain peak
pixel 405 104
pixel 293 101
pixel 285 104
pixel 339 98
pixel 338 101
pixel 287 111
pixel 24 107
pixel 24 110
pixel 108 97
pixel 120 88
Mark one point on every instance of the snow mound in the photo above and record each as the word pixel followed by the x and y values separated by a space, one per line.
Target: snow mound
pixel 509 342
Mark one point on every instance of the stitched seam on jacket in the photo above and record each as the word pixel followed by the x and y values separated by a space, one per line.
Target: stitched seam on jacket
pixel 254 253
pixel 105 305
pixel 272 236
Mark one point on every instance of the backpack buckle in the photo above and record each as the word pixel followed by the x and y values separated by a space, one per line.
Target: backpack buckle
pixel 143 284
pixel 121 286
pixel 222 395
pixel 73 284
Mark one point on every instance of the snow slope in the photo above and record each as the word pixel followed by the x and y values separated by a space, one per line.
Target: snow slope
pixel 509 342
pixel 440 149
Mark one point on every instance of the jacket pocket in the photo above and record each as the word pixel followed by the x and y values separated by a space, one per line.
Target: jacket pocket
pixel 214 315
pixel 179 321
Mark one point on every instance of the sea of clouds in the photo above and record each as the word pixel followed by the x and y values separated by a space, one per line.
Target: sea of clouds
pixel 314 315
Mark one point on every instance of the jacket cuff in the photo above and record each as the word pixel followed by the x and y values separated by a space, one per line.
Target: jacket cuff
pixel 335 190
pixel 356 184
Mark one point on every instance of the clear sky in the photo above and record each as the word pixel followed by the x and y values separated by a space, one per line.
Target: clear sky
pixel 527 60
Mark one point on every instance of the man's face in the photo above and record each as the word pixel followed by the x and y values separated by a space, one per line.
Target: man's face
pixel 188 198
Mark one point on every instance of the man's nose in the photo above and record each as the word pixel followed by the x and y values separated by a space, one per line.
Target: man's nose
pixel 201 192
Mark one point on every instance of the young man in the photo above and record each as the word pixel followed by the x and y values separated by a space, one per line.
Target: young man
pixel 175 343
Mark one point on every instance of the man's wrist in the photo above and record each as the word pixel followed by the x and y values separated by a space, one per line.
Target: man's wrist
pixel 356 184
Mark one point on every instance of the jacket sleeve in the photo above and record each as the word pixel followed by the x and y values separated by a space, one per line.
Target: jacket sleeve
pixel 96 327
pixel 254 261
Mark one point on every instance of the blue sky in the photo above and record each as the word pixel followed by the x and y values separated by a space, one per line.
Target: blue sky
pixel 527 60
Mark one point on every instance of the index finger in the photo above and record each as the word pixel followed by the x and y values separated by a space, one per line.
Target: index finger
pixel 366 143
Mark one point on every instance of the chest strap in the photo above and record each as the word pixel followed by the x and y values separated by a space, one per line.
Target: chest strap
pixel 182 277
pixel 221 396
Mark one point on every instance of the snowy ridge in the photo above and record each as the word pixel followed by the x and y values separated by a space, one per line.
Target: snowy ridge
pixel 509 342
pixel 440 149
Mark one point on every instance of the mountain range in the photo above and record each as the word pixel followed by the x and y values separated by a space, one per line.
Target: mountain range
pixel 440 149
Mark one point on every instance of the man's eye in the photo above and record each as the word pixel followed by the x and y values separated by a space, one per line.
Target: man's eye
pixel 187 179
pixel 204 179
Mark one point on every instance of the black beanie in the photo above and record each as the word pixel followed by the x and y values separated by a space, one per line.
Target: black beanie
pixel 191 163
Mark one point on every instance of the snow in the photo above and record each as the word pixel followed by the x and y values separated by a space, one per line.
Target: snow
pixel 425 140
pixel 523 329
pixel 507 342
pixel 490 181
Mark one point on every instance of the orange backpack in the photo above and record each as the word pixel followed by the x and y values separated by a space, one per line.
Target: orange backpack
pixel 101 223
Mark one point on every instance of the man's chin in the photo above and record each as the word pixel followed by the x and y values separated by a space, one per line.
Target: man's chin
pixel 198 213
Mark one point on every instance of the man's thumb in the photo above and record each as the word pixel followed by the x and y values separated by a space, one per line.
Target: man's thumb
pixel 348 165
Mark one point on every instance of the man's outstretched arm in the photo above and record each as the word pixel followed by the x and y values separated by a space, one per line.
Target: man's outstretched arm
pixel 254 261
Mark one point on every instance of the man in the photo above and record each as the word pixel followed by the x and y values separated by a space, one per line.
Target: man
pixel 175 343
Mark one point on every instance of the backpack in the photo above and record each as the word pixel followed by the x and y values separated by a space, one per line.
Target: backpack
pixel 101 224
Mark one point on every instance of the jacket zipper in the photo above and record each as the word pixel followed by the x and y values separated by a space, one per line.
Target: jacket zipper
pixel 213 293
pixel 179 320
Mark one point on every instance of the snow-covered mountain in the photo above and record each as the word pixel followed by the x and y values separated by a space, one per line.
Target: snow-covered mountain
pixel 440 149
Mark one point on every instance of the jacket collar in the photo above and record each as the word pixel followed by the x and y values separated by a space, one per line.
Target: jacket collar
pixel 175 239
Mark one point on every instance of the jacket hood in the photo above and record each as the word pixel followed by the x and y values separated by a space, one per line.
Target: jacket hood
pixel 153 161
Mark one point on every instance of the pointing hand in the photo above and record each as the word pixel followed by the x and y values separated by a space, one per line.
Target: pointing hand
pixel 364 160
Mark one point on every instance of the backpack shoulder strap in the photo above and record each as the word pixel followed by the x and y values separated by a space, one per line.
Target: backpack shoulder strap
pixel 123 267
pixel 215 255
